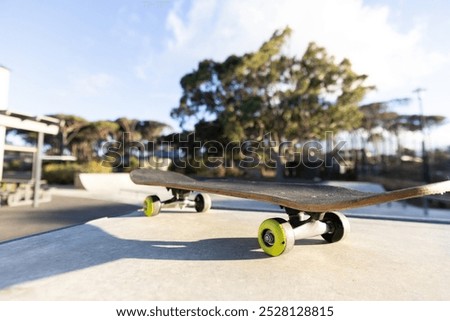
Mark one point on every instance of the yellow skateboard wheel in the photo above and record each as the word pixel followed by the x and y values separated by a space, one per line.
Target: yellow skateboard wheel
pixel 152 205
pixel 276 236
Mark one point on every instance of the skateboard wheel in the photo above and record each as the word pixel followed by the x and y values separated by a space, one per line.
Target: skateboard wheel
pixel 202 203
pixel 152 205
pixel 339 226
pixel 276 236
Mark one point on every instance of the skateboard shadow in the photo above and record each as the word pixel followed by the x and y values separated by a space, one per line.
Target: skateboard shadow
pixel 87 246
pixel 311 242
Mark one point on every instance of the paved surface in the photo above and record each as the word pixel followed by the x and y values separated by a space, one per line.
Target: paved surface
pixel 182 255
pixel 62 211
pixel 215 256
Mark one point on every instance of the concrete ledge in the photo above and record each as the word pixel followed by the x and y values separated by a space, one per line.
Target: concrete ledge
pixel 182 255
pixel 117 186
pixel 106 182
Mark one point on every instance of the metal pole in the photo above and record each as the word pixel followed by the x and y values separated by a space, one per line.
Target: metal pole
pixel 38 169
pixel 2 149
pixel 425 164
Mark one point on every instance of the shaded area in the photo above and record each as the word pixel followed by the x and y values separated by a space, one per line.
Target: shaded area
pixel 16 222
pixel 87 246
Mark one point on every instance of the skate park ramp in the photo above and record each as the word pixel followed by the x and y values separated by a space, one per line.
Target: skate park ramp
pixel 118 187
pixel 107 182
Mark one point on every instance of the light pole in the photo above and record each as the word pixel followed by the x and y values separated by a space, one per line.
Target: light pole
pixel 425 164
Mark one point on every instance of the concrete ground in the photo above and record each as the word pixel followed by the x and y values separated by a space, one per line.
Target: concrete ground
pixel 183 255
pixel 62 211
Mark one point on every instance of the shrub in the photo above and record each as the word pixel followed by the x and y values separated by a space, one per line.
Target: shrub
pixel 94 167
pixel 63 173
pixel 60 173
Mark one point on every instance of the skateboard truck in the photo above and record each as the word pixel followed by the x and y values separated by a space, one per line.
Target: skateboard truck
pixel 180 199
pixel 277 236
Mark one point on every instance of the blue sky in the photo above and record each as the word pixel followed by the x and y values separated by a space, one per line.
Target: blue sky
pixel 110 58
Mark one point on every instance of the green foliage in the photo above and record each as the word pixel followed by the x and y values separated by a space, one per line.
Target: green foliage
pixel 378 115
pixel 60 173
pixel 94 167
pixel 84 139
pixel 64 173
pixel 13 165
pixel 133 164
pixel 267 91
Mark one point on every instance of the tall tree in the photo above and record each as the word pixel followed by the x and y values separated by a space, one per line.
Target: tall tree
pixel 99 132
pixel 267 92
pixel 377 117
pixel 150 129
pixel 71 126
pixel 132 133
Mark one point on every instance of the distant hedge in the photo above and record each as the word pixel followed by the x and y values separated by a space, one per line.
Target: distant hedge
pixel 64 173
pixel 60 173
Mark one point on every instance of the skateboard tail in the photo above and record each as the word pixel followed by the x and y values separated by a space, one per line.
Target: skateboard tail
pixel 397 195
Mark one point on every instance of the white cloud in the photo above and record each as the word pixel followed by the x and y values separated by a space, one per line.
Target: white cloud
pixel 141 70
pixel 94 83
pixel 197 18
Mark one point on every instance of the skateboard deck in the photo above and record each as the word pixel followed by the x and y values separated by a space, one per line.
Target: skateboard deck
pixel 303 197
pixel 312 208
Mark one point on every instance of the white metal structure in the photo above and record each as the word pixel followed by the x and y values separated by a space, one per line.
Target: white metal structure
pixel 41 126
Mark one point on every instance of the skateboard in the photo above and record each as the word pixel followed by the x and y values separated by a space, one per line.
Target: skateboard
pixel 312 209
